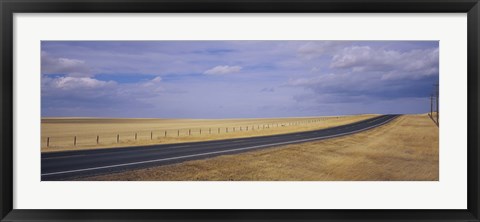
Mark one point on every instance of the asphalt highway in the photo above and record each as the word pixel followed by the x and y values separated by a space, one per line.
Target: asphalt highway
pixel 68 165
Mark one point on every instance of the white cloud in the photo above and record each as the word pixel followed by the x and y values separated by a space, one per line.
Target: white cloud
pixel 156 79
pixel 390 64
pixel 315 69
pixel 222 70
pixel 153 85
pixel 70 67
pixel 312 50
pixel 67 83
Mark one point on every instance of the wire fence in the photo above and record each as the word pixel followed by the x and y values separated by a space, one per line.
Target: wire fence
pixel 142 136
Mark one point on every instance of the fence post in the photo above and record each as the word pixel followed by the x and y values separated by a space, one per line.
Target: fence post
pixel 209 130
pixel 165 133
pixel 200 131
pixel 247 128
pixel 189 132
pixel 118 138
pixel 226 129
pixel 151 135
pixel 218 130
pixel 48 141
pixel 178 132
pixel 75 141
pixel 97 139
pixel 135 136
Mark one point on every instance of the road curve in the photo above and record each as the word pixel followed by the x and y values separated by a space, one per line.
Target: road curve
pixel 73 164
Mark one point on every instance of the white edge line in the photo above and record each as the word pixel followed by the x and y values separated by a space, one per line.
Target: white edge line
pixel 216 152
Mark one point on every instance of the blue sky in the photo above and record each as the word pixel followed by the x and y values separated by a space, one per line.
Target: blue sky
pixel 236 79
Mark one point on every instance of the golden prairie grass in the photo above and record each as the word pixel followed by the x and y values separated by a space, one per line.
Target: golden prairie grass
pixel 406 149
pixel 61 131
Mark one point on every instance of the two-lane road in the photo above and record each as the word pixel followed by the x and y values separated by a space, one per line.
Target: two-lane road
pixel 72 164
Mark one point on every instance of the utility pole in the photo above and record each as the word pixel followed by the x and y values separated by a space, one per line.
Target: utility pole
pixel 431 105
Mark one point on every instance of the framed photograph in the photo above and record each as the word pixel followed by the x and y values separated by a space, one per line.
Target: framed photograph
pixel 239 110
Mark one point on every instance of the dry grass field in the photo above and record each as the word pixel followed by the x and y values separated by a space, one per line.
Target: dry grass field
pixel 60 133
pixel 404 150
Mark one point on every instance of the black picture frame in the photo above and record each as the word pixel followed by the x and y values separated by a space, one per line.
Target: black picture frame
pixel 9 7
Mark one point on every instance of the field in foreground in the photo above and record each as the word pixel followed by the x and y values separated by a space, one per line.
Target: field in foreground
pixel 404 150
pixel 91 133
